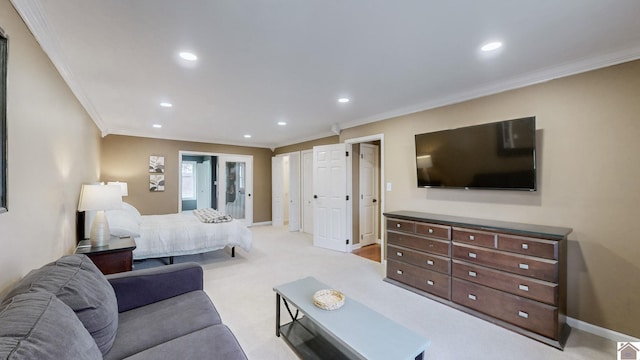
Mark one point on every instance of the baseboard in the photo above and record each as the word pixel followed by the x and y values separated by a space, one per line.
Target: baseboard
pixel 600 331
pixel 261 223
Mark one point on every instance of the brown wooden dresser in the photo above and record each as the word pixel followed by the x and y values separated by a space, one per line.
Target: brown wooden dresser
pixel 511 274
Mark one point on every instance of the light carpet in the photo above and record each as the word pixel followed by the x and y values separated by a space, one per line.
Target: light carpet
pixel 242 290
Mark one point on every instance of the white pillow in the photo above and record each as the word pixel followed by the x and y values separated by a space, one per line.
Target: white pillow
pixel 121 223
pixel 133 212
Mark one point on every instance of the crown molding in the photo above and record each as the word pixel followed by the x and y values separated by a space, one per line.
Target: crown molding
pixel 543 75
pixel 33 16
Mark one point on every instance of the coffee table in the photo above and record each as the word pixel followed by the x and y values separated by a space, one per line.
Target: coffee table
pixel 353 331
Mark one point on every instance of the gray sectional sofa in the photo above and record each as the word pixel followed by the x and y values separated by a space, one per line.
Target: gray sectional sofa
pixel 68 310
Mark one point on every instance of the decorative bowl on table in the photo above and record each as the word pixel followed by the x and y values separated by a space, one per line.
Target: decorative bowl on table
pixel 328 299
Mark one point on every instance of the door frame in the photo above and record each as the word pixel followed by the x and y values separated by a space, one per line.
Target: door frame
pixel 377 190
pixel 381 183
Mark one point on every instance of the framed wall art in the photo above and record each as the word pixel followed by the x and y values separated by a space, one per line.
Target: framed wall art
pixel 156 164
pixel 156 183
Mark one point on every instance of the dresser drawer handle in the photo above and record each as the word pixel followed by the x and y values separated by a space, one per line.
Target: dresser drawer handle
pixel 525 246
pixel 430 231
pixel 472 297
pixel 524 266
pixel 398 253
pixel 523 287
pixel 398 225
pixel 473 255
pixel 429 282
pixel 523 314
pixel 471 237
pixel 429 262
pixel 473 274
pixel 399 272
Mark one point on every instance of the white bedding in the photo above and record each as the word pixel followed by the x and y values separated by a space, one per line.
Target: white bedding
pixel 184 234
pixel 175 234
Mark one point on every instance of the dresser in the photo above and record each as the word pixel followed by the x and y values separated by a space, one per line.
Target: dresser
pixel 511 274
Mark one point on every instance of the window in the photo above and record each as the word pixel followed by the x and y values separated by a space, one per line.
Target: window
pixel 188 180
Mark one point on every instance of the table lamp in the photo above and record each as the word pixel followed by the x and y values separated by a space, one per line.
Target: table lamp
pixel 123 187
pixel 100 198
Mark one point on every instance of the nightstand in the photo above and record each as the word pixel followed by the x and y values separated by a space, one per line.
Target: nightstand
pixel 116 256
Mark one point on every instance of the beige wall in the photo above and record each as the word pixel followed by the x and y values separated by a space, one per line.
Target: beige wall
pixel 588 144
pixel 53 148
pixel 126 158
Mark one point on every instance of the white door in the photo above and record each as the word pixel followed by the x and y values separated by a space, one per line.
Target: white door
pixel 277 191
pixel 203 184
pixel 294 191
pixel 307 191
pixel 330 191
pixel 235 184
pixel 369 204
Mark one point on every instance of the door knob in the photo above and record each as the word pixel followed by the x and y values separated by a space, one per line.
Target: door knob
pixel 375 201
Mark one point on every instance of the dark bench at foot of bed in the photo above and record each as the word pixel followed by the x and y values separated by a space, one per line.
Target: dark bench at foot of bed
pixel 233 254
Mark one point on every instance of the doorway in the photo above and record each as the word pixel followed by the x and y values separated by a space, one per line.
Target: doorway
pixel 199 182
pixel 336 194
pixel 286 189
pixel 365 186
pixel 220 181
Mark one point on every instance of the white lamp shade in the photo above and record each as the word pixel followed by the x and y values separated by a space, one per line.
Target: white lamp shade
pixel 123 187
pixel 100 197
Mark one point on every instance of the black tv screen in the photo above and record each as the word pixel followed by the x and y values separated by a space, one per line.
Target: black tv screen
pixel 500 155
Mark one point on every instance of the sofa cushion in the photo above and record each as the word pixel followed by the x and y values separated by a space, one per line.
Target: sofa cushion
pixel 148 326
pixel 77 282
pixel 37 325
pixel 214 342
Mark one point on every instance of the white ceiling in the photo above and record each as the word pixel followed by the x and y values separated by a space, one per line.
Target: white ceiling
pixel 260 61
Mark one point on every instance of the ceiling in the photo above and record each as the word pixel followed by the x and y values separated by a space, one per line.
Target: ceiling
pixel 261 62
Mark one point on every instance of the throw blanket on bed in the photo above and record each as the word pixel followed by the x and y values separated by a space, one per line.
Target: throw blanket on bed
pixel 211 216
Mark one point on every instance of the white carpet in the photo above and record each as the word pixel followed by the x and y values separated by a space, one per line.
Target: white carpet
pixel 242 290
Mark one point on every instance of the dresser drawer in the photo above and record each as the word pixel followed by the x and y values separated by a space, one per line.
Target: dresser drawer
pixel 401 225
pixel 478 238
pixel 434 230
pixel 518 285
pixel 425 260
pixel 538 268
pixel 419 278
pixel 528 246
pixel 435 246
pixel 528 314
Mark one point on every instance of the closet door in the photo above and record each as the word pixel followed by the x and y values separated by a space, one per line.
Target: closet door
pixel 294 191
pixel 277 191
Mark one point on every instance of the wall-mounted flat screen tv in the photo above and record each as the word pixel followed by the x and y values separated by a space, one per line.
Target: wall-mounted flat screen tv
pixel 499 155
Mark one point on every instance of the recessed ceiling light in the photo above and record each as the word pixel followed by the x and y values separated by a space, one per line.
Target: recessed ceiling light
pixel 282 123
pixel 188 56
pixel 491 46
pixel 157 126
pixel 166 104
pixel 247 136
pixel 343 100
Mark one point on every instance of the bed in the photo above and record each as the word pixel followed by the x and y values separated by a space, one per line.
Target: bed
pixel 170 235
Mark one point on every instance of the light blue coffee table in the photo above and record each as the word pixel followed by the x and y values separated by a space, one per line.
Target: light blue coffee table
pixel 352 332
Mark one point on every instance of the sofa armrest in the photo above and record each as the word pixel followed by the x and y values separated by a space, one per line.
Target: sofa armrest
pixel 142 287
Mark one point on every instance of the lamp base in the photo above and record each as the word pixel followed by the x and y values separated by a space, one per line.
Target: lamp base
pixel 100 234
